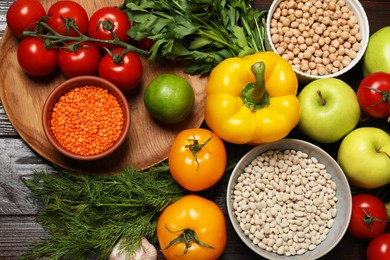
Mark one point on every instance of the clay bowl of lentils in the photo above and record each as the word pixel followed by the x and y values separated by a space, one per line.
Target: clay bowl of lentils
pixel 319 38
pixel 86 118
pixel 289 200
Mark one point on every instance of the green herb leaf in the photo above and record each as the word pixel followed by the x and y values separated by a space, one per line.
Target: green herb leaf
pixel 179 27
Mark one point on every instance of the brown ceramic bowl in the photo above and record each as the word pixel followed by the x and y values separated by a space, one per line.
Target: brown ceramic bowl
pixel 81 81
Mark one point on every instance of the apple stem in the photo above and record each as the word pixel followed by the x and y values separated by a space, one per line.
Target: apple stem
pixel 322 99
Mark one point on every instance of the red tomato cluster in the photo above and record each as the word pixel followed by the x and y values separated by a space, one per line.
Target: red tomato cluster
pixel 40 57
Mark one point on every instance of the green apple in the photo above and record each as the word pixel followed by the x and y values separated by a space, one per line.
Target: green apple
pixel 329 110
pixel 364 156
pixel 377 55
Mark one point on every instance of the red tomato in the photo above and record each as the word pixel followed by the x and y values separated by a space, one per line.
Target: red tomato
pixel 125 74
pixel 35 59
pixel 22 15
pixel 373 94
pixel 379 248
pixel 369 216
pixel 82 61
pixel 145 44
pixel 119 21
pixel 67 9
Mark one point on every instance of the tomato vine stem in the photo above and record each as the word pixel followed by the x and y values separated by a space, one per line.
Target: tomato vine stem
pixel 52 38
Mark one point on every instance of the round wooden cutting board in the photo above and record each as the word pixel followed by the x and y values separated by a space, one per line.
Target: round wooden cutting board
pixel 148 142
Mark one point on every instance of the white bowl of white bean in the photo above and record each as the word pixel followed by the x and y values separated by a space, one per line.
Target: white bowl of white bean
pixel 319 38
pixel 289 200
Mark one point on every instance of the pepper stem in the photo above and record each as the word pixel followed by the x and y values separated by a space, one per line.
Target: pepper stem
pixel 255 95
pixel 258 92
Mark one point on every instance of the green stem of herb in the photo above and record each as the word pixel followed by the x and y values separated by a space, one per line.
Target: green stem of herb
pixel 221 41
pixel 119 205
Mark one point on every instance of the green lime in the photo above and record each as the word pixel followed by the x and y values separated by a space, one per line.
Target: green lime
pixel 169 98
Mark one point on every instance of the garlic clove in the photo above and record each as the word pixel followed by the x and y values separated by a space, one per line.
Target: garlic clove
pixel 146 251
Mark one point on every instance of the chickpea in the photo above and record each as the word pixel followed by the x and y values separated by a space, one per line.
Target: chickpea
pixel 318 31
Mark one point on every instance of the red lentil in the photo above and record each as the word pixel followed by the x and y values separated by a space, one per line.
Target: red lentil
pixel 87 120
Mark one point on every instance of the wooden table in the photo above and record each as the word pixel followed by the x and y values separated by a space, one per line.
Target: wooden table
pixel 17 213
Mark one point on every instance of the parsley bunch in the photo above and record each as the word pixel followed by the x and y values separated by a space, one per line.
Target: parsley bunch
pixel 200 32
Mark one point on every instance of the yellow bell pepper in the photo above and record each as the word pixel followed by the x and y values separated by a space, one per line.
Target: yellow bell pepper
pixel 252 100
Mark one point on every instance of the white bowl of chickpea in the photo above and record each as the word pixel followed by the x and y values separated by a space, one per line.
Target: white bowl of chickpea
pixel 289 200
pixel 319 38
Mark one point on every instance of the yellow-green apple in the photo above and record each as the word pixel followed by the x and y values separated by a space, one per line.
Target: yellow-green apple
pixel 364 156
pixel 377 55
pixel 329 110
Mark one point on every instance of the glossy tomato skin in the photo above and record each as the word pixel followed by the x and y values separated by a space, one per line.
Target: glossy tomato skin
pixel 67 9
pixel 35 59
pixel 198 214
pixel 202 172
pixel 379 247
pixel 373 94
pixel 84 61
pixel 127 74
pixel 121 25
pixel 369 216
pixel 22 15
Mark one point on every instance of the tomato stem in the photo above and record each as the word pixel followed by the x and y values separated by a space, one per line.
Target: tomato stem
pixel 385 96
pixel 187 236
pixel 195 147
pixel 369 220
pixel 53 37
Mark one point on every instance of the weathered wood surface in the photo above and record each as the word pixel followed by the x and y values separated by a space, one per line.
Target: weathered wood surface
pixel 17 224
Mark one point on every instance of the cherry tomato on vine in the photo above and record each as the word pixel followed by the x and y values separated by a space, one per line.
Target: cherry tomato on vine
pixel 104 19
pixel 369 216
pixel 35 59
pixel 125 72
pixel 373 94
pixel 82 60
pixel 67 9
pixel 196 227
pixel 22 15
pixel 379 248
pixel 197 159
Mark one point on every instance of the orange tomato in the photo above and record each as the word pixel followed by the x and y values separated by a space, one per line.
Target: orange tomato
pixel 197 159
pixel 192 228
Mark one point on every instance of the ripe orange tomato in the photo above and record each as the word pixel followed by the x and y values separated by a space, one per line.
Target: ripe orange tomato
pixel 195 226
pixel 197 159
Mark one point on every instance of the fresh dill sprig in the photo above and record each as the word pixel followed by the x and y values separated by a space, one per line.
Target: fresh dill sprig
pixel 86 215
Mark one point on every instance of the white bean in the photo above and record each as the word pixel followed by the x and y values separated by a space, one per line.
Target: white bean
pixel 286 202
